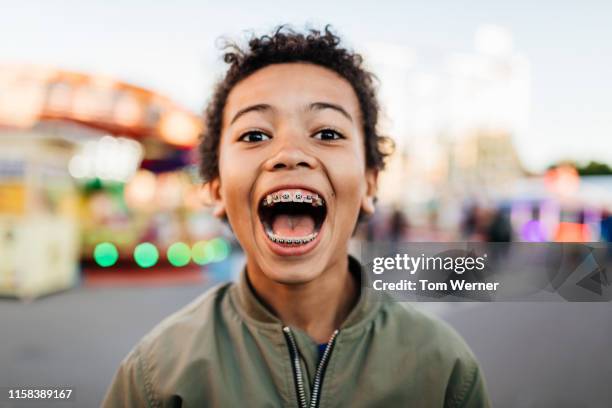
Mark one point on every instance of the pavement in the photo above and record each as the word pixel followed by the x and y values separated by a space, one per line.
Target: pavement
pixel 539 355
pixel 532 354
pixel 77 338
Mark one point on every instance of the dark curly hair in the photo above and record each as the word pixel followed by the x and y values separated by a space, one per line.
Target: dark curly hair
pixel 285 45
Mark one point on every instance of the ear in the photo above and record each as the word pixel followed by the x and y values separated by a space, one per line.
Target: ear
pixel 369 197
pixel 213 190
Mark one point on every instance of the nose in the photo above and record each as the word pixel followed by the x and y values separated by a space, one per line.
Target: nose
pixel 290 155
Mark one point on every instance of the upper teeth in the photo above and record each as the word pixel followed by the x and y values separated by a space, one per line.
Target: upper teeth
pixel 296 196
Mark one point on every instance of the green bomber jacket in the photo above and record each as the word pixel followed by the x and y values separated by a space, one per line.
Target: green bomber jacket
pixel 226 349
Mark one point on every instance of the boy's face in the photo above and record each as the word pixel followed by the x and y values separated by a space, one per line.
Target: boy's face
pixel 292 175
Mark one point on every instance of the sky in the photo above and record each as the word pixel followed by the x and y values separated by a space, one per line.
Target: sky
pixel 172 48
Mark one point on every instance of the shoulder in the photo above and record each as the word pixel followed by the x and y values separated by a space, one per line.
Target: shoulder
pixel 439 349
pixel 167 352
pixel 425 331
pixel 196 319
pixel 176 343
pixel 191 318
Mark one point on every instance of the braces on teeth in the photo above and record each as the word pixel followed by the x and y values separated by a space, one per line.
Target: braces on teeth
pixel 296 197
pixel 292 241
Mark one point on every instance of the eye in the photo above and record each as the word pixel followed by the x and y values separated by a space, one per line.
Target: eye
pixel 328 134
pixel 254 136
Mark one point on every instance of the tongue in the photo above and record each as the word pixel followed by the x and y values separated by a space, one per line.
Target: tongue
pixel 293 225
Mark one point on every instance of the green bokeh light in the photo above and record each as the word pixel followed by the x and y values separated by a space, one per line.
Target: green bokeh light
pixel 105 254
pixel 200 253
pixel 179 254
pixel 220 249
pixel 205 252
pixel 146 255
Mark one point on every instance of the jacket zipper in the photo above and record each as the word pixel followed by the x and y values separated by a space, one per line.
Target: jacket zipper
pixel 297 369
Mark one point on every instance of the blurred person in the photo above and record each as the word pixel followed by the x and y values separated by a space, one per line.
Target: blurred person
pixel 572 227
pixel 500 228
pixel 398 225
pixel 469 223
pixel 291 157
pixel 476 223
pixel 605 226
pixel 605 232
pixel 533 230
pixel 377 225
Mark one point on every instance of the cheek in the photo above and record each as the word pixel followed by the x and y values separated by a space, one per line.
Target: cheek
pixel 236 183
pixel 349 183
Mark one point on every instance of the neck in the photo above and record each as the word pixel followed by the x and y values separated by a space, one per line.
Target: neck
pixel 317 307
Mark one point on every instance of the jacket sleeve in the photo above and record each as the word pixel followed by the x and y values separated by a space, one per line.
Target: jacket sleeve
pixel 466 387
pixel 130 386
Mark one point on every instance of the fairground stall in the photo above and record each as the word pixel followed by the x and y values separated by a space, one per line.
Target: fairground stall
pixel 97 180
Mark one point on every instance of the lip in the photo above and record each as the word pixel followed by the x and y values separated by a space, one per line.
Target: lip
pixel 284 249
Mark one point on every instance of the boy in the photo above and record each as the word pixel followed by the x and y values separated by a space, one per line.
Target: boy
pixel 291 157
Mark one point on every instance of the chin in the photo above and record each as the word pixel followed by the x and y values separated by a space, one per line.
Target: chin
pixel 290 272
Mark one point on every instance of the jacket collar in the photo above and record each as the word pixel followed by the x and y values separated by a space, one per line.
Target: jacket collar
pixel 252 308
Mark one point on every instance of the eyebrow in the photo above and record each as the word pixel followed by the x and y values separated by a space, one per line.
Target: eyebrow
pixel 327 105
pixel 253 108
pixel 313 106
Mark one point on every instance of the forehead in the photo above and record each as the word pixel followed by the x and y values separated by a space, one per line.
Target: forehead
pixel 292 85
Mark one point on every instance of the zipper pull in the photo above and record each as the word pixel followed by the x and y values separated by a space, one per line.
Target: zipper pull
pixel 297 367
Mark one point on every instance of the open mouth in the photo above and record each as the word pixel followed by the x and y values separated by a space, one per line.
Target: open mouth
pixel 292 217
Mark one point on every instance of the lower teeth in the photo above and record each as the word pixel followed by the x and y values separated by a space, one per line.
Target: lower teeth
pixel 292 241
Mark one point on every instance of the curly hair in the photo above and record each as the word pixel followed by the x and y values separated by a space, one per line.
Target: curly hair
pixel 285 45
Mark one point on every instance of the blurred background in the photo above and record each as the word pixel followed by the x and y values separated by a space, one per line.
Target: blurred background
pixel 501 118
